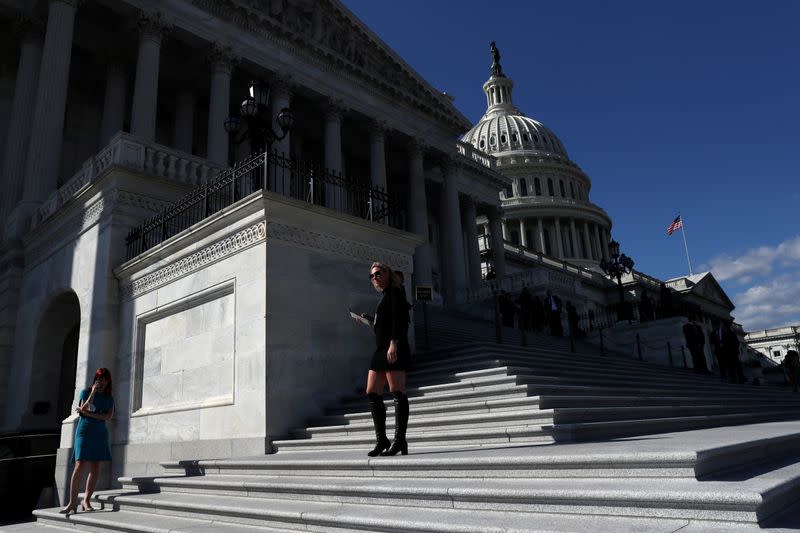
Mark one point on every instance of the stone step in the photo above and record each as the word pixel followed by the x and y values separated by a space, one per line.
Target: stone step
pixel 139 520
pixel 756 497
pixel 364 425
pixel 510 434
pixel 694 454
pixel 479 359
pixel 592 431
pixel 454 407
pixel 229 511
pixel 434 423
pixel 505 388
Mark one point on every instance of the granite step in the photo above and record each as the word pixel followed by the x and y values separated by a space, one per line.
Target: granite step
pixel 510 434
pixel 752 500
pixel 699 454
pixel 225 512
pixel 424 423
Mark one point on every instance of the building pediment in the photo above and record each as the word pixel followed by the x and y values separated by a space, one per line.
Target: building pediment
pixel 331 33
pixel 703 285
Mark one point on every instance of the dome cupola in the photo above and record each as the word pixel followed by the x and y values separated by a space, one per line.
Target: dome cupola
pixel 504 128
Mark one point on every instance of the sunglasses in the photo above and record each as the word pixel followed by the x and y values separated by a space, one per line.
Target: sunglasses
pixel 376 274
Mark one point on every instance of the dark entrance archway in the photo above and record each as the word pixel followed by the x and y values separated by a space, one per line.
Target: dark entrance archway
pixel 55 358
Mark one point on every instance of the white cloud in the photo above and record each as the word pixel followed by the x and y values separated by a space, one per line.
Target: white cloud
pixel 759 261
pixel 772 304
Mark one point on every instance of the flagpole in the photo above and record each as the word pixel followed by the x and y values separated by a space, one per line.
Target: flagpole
pixel 685 246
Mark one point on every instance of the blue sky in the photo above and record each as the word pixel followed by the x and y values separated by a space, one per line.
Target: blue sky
pixel 690 107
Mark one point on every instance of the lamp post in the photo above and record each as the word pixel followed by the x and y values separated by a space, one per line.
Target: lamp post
pixel 619 265
pixel 254 114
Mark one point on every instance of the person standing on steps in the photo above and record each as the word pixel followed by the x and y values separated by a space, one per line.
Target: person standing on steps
pixel 552 306
pixel 96 405
pixel 389 360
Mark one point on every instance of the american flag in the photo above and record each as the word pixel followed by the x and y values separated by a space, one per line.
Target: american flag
pixel 676 224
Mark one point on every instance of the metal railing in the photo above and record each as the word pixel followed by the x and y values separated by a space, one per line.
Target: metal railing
pixel 274 172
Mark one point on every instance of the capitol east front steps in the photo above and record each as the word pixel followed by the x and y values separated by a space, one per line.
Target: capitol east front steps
pixel 502 439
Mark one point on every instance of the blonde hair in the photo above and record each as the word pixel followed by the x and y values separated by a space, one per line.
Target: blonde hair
pixel 394 277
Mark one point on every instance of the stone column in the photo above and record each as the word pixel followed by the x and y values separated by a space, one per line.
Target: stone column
pixel 574 235
pixel 469 221
pixel 540 228
pixel 145 89
pixel 604 242
pixel 600 254
pixel 504 227
pixel 114 101
pixel 377 154
pixel 523 239
pixel 454 244
pixel 498 247
pixel 559 241
pixel 586 244
pixel 418 213
pixel 44 150
pixel 184 122
pixel 333 153
pixel 281 97
pixel 221 60
pixel 19 124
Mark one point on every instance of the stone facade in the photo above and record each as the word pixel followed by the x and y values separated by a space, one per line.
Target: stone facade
pixel 775 342
pixel 229 332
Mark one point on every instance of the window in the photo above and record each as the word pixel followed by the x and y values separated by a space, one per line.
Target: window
pixel 492 140
pixel 572 190
pixel 523 187
pixel 550 190
pixel 483 143
pixel 514 137
pixel 561 187
pixel 537 186
pixel 503 139
pixel 536 139
pixel 776 354
pixel 515 236
pixel 525 137
pixel 509 191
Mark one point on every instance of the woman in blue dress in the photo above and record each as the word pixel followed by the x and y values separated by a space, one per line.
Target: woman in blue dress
pixel 96 405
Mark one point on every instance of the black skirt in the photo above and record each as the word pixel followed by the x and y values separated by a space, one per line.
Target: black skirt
pixel 379 363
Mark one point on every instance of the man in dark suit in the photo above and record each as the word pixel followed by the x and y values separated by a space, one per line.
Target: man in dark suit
pixel 695 341
pixel 552 307
pixel 729 350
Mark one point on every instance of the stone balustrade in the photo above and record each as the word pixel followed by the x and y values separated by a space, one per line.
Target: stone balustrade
pixel 515 281
pixel 129 152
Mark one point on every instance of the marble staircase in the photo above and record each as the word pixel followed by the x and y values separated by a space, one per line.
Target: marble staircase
pixel 502 438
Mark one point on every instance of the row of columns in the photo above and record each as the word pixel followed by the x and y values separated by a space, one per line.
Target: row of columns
pixel 594 238
pixel 33 152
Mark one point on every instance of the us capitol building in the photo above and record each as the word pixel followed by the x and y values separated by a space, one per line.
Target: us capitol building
pixel 146 230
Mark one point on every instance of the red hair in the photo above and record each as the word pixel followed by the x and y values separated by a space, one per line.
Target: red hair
pixel 105 374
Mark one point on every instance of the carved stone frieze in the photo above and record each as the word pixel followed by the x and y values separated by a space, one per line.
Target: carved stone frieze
pixel 325 34
pixel 331 244
pixel 210 254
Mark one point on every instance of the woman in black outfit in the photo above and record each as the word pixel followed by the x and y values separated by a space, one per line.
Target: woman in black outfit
pixel 389 361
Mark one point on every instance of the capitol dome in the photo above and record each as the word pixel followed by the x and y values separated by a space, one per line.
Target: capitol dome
pixel 504 128
pixel 546 208
pixel 507 132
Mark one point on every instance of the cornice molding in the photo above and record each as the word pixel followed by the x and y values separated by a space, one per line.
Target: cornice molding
pixel 332 244
pixel 212 253
pixel 322 34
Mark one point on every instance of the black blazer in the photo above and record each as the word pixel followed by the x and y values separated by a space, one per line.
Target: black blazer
pixel 391 318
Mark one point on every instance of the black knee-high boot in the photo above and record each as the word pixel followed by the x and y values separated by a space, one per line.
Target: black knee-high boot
pixel 400 425
pixel 378 411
